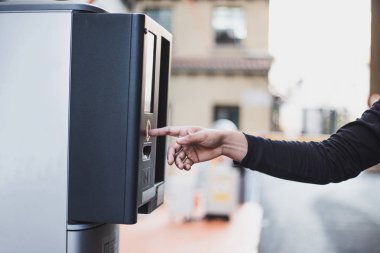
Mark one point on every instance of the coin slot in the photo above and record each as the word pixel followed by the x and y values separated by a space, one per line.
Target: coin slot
pixel 147 150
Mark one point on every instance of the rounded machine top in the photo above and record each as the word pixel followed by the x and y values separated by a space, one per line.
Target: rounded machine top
pixel 15 6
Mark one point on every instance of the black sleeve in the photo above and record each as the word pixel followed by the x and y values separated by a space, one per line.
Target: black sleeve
pixel 354 148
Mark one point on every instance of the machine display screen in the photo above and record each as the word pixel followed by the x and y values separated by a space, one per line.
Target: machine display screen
pixel 149 72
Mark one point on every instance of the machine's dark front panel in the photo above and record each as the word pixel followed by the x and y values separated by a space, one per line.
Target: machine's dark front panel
pixel 160 119
pixel 163 108
pixel 100 116
pixel 118 93
pixel 148 117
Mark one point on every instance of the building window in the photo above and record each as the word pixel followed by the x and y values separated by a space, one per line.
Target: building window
pixel 163 16
pixel 229 25
pixel 227 112
pixel 323 121
pixel 275 114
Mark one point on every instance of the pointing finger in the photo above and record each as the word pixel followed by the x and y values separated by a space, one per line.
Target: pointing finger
pixel 171 131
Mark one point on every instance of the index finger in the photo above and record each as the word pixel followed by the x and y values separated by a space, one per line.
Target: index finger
pixel 168 130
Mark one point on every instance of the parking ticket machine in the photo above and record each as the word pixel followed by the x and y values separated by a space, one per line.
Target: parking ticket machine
pixel 79 91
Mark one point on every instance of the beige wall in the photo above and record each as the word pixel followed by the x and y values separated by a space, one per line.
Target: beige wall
pixel 192 99
pixel 193 33
pixel 258 27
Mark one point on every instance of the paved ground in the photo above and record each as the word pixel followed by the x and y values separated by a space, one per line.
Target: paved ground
pixel 299 217
pixel 158 233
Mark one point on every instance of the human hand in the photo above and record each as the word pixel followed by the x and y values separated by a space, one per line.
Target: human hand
pixel 193 145
pixel 196 144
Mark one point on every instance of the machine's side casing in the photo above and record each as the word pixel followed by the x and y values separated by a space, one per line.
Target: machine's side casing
pixel 34 119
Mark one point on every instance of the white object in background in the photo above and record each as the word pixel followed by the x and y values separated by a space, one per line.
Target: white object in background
pixel 180 195
pixel 222 190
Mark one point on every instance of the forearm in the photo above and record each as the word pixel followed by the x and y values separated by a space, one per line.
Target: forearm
pixel 354 148
pixel 310 162
pixel 234 145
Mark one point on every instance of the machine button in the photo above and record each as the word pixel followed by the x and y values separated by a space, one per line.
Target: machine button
pixel 148 127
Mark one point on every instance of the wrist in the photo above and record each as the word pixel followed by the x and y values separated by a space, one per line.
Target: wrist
pixel 235 145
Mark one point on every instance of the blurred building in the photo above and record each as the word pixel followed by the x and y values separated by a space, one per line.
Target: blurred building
pixel 375 48
pixel 220 60
pixel 113 6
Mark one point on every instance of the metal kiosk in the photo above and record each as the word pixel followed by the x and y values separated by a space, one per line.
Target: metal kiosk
pixel 79 90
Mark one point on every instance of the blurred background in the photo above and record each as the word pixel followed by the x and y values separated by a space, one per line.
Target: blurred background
pixel 283 69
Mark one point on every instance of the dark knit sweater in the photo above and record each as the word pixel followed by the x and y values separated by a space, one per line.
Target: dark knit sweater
pixel 354 148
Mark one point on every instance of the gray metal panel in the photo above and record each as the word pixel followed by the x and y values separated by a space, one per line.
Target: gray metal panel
pixel 34 96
